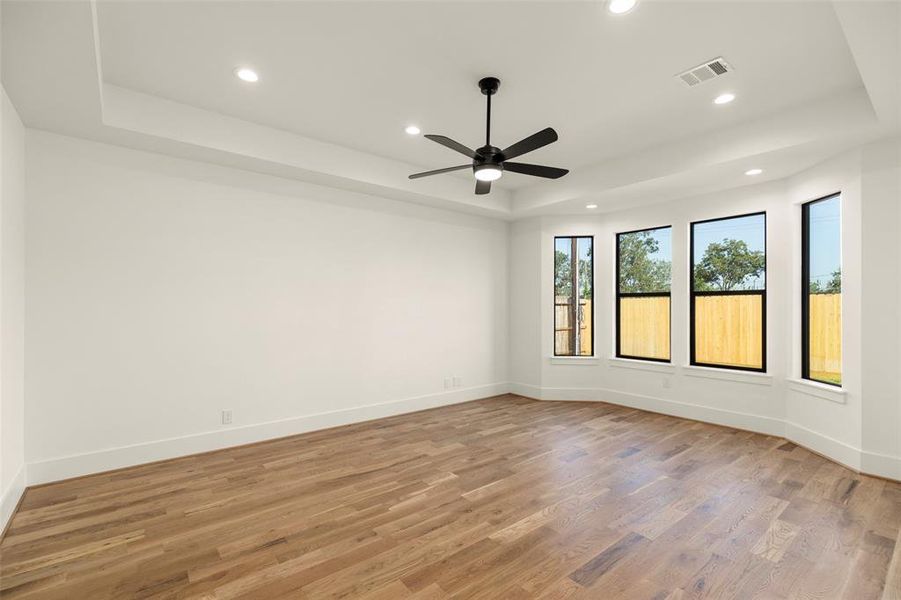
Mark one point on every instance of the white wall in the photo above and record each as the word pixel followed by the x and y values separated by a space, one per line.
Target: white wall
pixel 860 426
pixel 12 308
pixel 881 325
pixel 161 291
pixel 525 304
pixel 826 423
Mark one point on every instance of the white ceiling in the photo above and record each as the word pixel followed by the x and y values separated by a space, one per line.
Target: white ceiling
pixel 340 80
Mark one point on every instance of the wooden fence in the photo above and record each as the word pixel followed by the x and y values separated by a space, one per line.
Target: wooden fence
pixel 645 327
pixel 563 329
pixel 826 337
pixel 728 331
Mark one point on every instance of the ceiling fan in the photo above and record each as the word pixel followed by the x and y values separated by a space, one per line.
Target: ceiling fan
pixel 490 162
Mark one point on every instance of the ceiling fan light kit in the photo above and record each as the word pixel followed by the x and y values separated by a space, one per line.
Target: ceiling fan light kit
pixel 488 172
pixel 489 162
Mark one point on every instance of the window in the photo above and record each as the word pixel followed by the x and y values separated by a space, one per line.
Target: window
pixel 728 293
pixel 643 275
pixel 573 296
pixel 821 290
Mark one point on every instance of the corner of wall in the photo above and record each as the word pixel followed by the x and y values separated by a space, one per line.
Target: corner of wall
pixel 12 496
pixel 12 308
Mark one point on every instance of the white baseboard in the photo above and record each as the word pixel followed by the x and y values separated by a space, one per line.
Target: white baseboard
pixel 883 465
pixel 64 467
pixel 11 496
pixel 675 408
pixel 525 389
pixel 829 447
pixel 871 463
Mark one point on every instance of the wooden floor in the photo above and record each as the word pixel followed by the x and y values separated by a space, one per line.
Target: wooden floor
pixel 499 498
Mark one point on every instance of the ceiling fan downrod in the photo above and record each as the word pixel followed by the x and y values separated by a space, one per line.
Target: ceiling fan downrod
pixel 489 86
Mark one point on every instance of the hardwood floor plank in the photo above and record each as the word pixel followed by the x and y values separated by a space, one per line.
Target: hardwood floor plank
pixel 499 498
pixel 595 568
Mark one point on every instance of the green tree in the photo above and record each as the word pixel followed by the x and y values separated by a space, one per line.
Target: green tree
pixel 833 286
pixel 728 265
pixel 585 276
pixel 638 272
pixel 563 274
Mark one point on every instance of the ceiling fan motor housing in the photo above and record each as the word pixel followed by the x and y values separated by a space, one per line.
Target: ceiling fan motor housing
pixel 487 154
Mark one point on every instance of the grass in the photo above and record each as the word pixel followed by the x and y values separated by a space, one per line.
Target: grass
pixel 827 377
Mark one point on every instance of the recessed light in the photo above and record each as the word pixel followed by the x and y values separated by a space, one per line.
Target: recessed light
pixel 724 98
pixel 753 171
pixel 591 206
pixel 248 75
pixel 619 7
pixel 412 130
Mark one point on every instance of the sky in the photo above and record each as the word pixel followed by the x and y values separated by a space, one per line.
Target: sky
pixel 825 239
pixel 563 245
pixel 750 229
pixel 664 237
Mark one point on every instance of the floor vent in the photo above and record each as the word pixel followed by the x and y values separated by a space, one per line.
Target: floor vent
pixel 705 72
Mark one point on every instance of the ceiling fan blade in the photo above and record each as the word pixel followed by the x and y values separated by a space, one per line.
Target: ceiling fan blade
pixel 453 145
pixel 439 171
pixel 533 142
pixel 536 170
pixel 482 187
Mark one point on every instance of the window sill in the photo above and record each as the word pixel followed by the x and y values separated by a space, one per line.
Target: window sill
pixel 728 375
pixel 641 365
pixel 583 361
pixel 819 390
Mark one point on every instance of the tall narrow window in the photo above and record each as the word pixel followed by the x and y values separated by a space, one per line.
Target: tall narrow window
pixel 643 274
pixel 573 296
pixel 728 293
pixel 821 290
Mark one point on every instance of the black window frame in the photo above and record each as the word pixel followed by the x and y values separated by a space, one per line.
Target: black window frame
pixel 554 295
pixel 620 295
pixel 805 289
pixel 693 295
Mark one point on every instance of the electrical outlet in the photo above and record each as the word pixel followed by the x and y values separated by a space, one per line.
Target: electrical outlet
pixel 458 381
pixel 448 383
pixel 227 417
pixel 666 383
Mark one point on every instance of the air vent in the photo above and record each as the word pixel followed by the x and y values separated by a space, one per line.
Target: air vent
pixel 705 72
